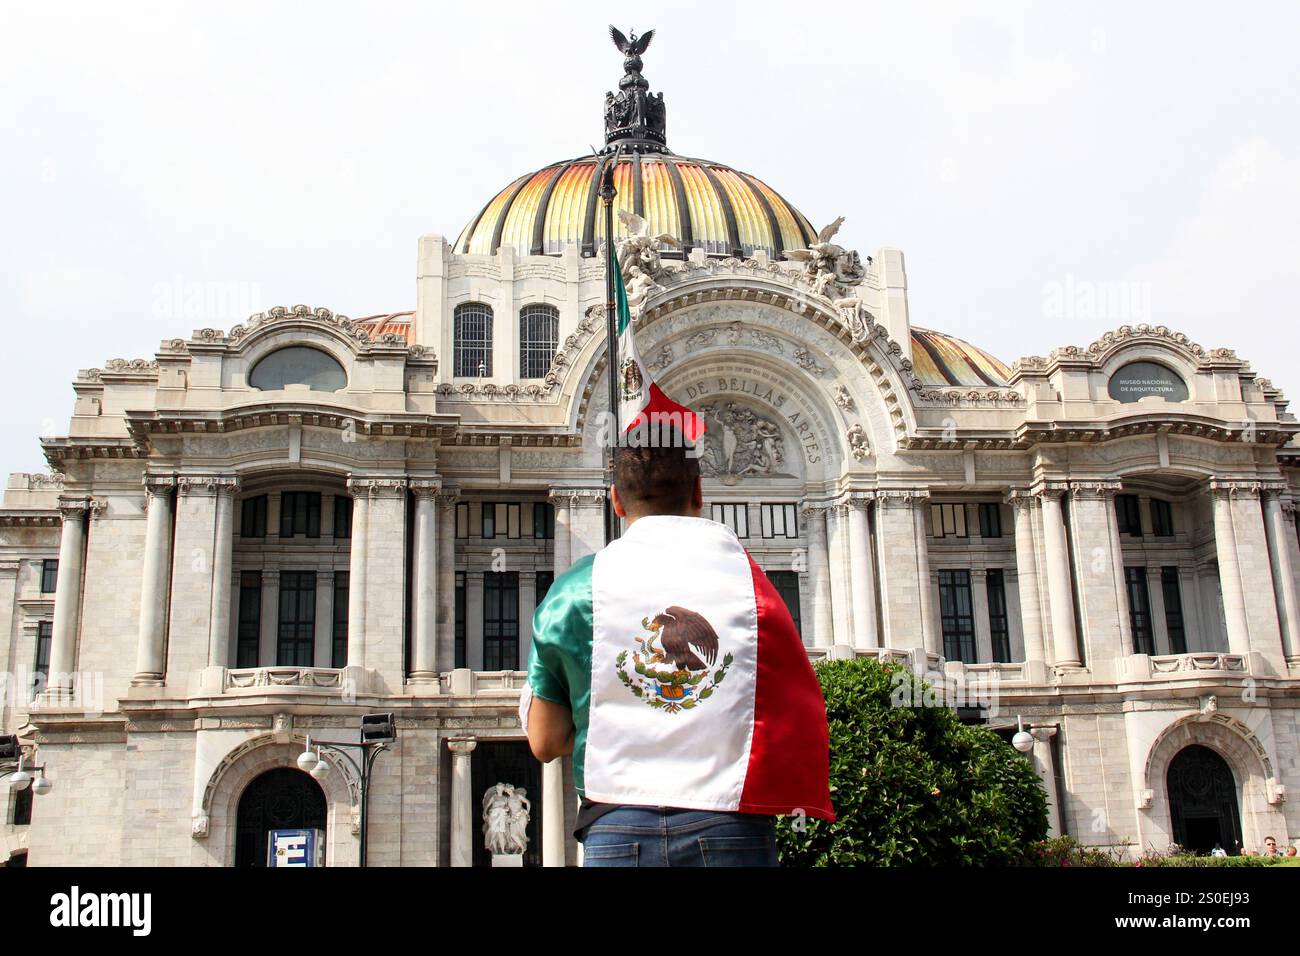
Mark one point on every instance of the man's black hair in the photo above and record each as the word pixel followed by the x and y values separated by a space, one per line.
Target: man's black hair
pixel 655 478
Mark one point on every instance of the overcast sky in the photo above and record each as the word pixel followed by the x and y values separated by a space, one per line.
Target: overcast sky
pixel 1051 171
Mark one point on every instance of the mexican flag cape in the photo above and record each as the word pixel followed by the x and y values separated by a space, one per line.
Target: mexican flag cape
pixel 640 400
pixel 688 683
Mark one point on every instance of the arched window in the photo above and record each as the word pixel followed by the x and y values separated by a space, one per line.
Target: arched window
pixel 298 365
pixel 473 340
pixel 539 334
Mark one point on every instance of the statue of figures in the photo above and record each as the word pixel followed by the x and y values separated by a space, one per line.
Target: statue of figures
pixel 827 264
pixel 638 257
pixel 505 819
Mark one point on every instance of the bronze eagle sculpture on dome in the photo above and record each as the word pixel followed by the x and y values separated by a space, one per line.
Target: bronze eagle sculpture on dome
pixel 680 629
pixel 633 47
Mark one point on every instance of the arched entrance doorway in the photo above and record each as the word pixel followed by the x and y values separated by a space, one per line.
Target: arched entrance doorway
pixel 1203 801
pixel 284 798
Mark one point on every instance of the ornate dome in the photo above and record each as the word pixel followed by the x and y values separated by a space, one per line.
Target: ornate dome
pixel 702 204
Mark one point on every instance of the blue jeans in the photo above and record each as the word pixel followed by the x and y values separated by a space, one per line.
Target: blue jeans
pixel 663 836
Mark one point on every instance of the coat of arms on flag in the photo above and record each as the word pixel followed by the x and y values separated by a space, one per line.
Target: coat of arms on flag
pixel 677 685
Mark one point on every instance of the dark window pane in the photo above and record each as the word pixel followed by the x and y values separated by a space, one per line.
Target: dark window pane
pixel 543 520
pixel 489 511
pixel 1162 518
pixel 1173 596
pixel 252 523
pixel 539 334
pixel 990 520
pixel 787 585
pixel 339 635
pixel 300 514
pixel 297 633
pixel 1139 609
pixel 500 620
pixel 999 629
pixel 460 619
pixel 1128 515
pixel 956 616
pixel 250 619
pixel 41 663
pixel 342 516
pixel 49 575
pixel 544 581
pixel 472 331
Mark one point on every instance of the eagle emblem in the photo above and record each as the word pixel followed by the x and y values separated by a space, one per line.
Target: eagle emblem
pixel 674 662
pixel 631 380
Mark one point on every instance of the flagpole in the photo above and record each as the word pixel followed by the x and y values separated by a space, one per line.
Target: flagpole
pixel 607 193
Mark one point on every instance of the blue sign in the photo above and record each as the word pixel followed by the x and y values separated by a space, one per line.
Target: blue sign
pixel 295 848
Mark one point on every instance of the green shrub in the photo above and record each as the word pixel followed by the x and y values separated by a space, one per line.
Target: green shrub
pixel 1067 851
pixel 913 786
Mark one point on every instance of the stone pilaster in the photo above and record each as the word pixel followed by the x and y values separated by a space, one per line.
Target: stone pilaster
pixel 1279 528
pixel 385 583
pixel 819 575
pixel 447 579
pixel 1244 567
pixel 462 801
pixel 553 835
pixel 586 507
pixel 563 539
pixel 67 596
pixel 904 571
pixel 1031 612
pixel 1060 592
pixel 424 611
pixel 190 631
pixel 360 489
pixel 1099 572
pixel 222 563
pixel 149 665
pixel 862 574
pixel 841 598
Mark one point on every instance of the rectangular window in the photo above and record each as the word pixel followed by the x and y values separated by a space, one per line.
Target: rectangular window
pixel 1162 518
pixel 41 664
pixel 1173 595
pixel 779 521
pixel 500 620
pixel 460 619
pixel 500 519
pixel 339 631
pixel 300 514
pixel 543 520
pixel 948 520
pixel 297 634
pixel 49 575
pixel 1139 610
pixel 544 581
pixel 990 519
pixel 1128 515
pixel 249 638
pixel 342 516
pixel 787 585
pixel 999 625
pixel 956 612
pixel 252 517
pixel 734 516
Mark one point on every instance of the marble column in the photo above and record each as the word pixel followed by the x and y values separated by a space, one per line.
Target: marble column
pixel 979 595
pixel 1031 612
pixel 323 646
pixel 447 580
pixel 1225 545
pixel 1041 759
pixel 223 543
pixel 586 522
pixel 1107 493
pixel 268 636
pixel 553 812
pixel 386 583
pixel 841 601
pixel 360 490
pixel 67 595
pixel 562 551
pixel 1060 591
pixel 149 666
pixel 819 575
pixel 902 595
pixel 462 801
pixel 930 630
pixel 862 575
pixel 424 610
pixel 1279 528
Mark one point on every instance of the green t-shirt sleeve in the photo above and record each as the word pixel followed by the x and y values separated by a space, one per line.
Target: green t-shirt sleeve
pixel 562 630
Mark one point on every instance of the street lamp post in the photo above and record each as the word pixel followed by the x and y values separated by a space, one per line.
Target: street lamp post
pixel 22 777
pixel 377 731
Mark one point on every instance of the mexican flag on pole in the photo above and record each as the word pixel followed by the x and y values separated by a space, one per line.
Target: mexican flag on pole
pixel 640 400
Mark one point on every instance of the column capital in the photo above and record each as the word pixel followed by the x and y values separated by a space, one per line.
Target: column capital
pixel 1020 499
pixel 76 506
pixel 856 499
pixel 207 485
pixel 426 487
pixel 448 495
pixel 579 496
pixel 377 486
pixel 909 497
pixel 1050 489
pixel 1227 488
pixel 813 509
pixel 978 574
pixel 462 746
pixel 158 484
pixel 1098 488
